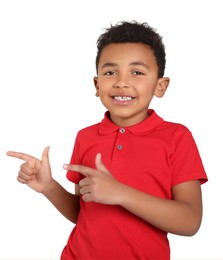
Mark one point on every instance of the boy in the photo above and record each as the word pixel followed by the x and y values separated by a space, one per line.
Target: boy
pixel 137 177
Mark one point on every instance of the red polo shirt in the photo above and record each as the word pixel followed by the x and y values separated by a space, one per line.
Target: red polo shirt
pixel 151 156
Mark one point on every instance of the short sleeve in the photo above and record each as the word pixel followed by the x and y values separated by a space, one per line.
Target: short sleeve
pixel 186 163
pixel 71 175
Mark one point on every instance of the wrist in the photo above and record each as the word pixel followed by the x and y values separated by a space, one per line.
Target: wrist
pixel 122 196
pixel 50 187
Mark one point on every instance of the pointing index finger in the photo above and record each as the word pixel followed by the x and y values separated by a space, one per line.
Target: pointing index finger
pixel 86 171
pixel 22 156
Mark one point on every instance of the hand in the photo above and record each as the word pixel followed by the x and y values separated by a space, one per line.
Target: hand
pixel 99 185
pixel 34 172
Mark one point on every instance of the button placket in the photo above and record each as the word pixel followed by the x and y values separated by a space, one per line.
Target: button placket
pixel 122 131
pixel 119 148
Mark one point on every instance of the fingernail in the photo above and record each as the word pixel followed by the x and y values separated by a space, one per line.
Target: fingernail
pixel 65 166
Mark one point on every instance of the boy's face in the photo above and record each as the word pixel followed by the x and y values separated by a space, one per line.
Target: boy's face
pixel 127 81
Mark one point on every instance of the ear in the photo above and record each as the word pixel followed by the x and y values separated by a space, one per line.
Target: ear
pixel 161 87
pixel 96 86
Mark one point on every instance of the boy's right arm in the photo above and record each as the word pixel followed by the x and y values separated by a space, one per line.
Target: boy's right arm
pixel 67 204
pixel 37 175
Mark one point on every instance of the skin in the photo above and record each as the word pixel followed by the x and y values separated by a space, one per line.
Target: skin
pixel 126 83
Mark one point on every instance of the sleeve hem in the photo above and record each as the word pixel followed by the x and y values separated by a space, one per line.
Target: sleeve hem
pixel 200 176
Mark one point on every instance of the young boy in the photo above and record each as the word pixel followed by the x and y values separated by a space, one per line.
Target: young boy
pixel 137 177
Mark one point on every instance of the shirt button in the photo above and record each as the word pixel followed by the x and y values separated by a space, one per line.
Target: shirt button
pixel 119 147
pixel 122 130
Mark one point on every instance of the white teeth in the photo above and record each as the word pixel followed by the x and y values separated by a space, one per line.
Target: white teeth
pixel 122 98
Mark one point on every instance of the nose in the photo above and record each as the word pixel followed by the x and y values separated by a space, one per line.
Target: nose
pixel 121 82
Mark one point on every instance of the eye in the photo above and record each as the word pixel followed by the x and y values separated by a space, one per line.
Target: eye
pixel 109 73
pixel 138 73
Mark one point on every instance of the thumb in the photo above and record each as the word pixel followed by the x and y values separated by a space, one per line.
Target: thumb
pixel 99 164
pixel 45 156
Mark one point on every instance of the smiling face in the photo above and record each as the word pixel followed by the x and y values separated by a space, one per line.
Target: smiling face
pixel 127 81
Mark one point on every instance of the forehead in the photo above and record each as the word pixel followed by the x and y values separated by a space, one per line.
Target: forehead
pixel 127 53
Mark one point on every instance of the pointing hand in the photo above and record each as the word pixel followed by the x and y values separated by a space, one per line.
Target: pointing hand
pixel 98 185
pixel 34 172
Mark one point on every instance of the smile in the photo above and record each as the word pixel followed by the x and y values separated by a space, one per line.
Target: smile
pixel 122 98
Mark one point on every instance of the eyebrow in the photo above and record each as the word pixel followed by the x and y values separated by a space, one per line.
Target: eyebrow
pixel 135 63
pixel 108 64
pixel 140 63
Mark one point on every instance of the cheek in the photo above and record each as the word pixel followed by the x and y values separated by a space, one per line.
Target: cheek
pixel 146 91
pixel 146 97
pixel 103 94
pixel 104 87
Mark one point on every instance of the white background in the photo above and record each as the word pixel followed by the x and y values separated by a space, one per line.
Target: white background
pixel 47 58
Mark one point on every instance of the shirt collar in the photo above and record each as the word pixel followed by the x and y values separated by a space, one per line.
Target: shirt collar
pixel 150 123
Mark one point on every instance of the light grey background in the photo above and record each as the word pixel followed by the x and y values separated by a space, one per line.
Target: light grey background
pixel 47 57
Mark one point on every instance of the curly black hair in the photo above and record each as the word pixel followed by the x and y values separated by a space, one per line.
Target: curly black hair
pixel 134 32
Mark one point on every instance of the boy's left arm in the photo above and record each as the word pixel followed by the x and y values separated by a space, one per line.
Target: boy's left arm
pixel 181 215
